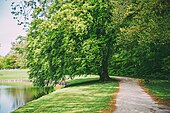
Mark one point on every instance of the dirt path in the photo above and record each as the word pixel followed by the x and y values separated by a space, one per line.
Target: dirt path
pixel 132 99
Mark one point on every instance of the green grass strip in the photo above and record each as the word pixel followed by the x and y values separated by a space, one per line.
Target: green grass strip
pixel 83 96
pixel 159 88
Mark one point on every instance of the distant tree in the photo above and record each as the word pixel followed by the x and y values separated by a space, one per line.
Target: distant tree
pixel 18 49
pixel 9 62
pixel 16 57
pixel 1 62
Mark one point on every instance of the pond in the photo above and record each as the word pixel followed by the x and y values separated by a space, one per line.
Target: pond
pixel 12 97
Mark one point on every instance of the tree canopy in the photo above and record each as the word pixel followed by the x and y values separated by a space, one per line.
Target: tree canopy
pixel 144 45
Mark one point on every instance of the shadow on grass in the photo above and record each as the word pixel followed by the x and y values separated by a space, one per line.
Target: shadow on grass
pixel 84 83
pixel 89 82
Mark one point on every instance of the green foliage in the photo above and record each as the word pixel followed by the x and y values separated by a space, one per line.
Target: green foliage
pixel 8 62
pixel 80 37
pixel 1 62
pixel 16 57
pixel 18 49
pixel 144 44
pixel 77 38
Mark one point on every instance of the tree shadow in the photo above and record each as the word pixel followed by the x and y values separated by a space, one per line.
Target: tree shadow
pixel 83 83
pixel 90 82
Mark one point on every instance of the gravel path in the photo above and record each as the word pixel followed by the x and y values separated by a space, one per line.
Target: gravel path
pixel 132 99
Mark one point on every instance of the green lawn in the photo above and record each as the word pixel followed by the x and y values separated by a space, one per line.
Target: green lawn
pixel 24 84
pixel 160 89
pixel 84 95
pixel 13 74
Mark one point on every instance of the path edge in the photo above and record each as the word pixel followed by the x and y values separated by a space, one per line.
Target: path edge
pixel 112 104
pixel 156 99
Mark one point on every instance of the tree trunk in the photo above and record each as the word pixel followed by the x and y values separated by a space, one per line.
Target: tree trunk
pixel 104 75
pixel 105 63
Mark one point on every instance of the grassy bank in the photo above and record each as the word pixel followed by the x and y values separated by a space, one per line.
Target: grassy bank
pixel 84 95
pixel 160 90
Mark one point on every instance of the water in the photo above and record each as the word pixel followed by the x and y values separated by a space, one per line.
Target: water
pixel 12 97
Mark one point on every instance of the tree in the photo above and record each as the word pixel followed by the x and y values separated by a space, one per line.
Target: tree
pixel 16 57
pixel 18 49
pixel 71 34
pixel 73 38
pixel 95 37
pixel 1 62
pixel 9 62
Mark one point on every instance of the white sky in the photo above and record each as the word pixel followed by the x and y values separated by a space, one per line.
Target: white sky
pixel 9 30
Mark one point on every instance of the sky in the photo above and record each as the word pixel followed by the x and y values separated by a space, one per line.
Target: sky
pixel 9 30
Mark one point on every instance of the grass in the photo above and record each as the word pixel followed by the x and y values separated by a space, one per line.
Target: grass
pixel 13 74
pixel 24 84
pixel 84 95
pixel 159 89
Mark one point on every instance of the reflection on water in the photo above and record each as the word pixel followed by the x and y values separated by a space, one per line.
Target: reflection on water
pixel 13 97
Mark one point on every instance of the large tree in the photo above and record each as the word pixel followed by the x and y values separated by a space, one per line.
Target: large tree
pixel 77 37
pixel 73 38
